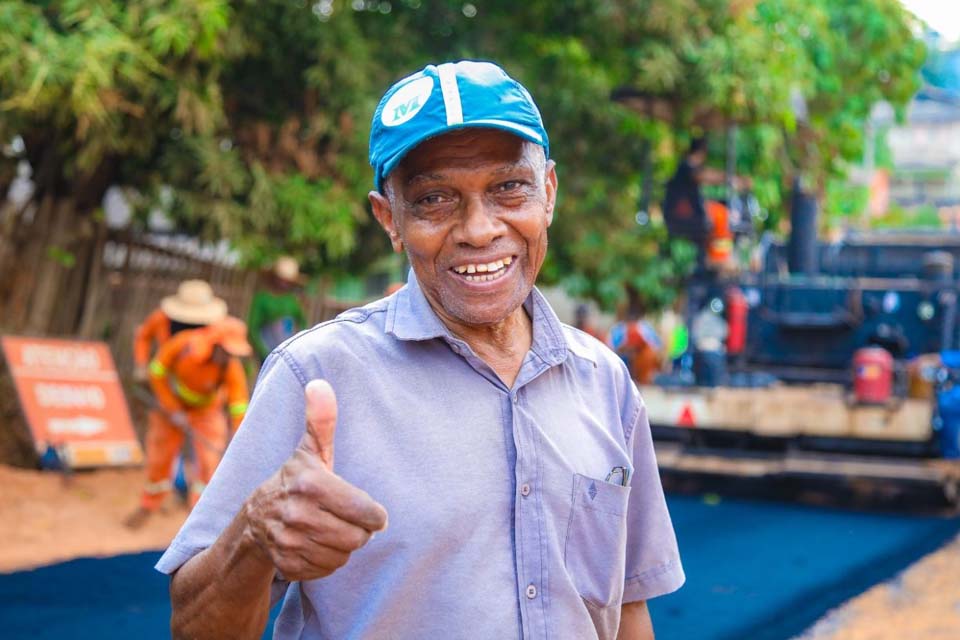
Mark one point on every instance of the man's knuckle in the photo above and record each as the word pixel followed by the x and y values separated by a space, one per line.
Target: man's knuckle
pixel 286 541
pixel 296 485
pixel 293 515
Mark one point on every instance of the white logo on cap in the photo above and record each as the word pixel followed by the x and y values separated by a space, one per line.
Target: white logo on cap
pixel 406 102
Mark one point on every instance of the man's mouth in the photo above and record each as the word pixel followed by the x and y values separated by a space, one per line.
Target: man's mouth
pixel 483 271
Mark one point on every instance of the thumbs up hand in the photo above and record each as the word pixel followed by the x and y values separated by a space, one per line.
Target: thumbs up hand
pixel 305 518
pixel 321 420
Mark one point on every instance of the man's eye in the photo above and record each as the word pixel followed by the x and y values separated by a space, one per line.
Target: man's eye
pixel 509 185
pixel 431 200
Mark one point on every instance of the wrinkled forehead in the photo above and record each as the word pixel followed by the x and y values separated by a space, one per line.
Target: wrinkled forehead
pixel 468 148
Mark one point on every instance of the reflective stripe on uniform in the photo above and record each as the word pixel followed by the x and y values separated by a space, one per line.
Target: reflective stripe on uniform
pixel 198 486
pixel 157 369
pixel 191 397
pixel 160 486
pixel 238 408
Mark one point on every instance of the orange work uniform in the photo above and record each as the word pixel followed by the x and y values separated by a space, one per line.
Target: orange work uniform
pixel 154 330
pixel 720 244
pixel 639 347
pixel 185 379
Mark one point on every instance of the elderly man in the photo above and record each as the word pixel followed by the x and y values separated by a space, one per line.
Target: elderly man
pixel 512 452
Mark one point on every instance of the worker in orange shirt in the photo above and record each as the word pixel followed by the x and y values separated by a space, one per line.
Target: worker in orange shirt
pixel 193 376
pixel 635 340
pixel 193 306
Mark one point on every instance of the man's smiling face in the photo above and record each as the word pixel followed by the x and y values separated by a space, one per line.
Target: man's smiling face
pixel 472 208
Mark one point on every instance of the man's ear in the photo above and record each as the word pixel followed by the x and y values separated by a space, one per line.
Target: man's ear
pixel 383 212
pixel 550 181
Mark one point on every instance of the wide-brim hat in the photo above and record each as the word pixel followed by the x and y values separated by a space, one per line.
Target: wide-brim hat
pixel 194 303
pixel 442 98
pixel 288 269
pixel 231 334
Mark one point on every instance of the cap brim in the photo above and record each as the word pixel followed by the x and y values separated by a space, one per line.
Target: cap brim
pixel 519 130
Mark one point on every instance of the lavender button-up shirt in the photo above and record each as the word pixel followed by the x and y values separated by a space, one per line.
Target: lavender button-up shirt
pixel 527 512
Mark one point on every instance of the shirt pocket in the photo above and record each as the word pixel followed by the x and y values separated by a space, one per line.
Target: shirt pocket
pixel 595 549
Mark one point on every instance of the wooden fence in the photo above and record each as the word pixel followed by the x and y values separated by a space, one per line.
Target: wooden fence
pixel 128 278
pixel 134 274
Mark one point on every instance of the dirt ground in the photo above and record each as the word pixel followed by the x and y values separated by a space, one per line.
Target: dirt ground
pixel 45 518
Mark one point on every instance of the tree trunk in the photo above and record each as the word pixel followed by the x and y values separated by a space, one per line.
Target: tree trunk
pixel 27 246
pixel 46 300
pixel 10 216
pixel 77 282
pixel 95 288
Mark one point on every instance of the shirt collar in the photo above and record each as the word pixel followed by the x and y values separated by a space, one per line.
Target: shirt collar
pixel 410 317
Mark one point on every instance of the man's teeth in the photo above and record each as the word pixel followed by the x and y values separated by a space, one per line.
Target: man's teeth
pixel 485 271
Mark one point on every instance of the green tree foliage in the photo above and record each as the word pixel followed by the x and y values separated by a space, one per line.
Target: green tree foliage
pixel 237 119
pixel 248 120
pixel 851 55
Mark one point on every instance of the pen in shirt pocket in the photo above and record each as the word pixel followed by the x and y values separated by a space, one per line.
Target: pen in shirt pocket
pixel 619 475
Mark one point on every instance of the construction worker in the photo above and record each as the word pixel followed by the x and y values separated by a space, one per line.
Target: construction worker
pixel 193 306
pixel 687 214
pixel 276 313
pixel 635 340
pixel 193 375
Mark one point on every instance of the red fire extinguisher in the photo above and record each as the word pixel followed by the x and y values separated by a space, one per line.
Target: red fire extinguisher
pixel 737 308
pixel 872 375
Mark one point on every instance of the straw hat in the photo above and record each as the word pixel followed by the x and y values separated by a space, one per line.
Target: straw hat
pixel 194 303
pixel 287 268
pixel 231 334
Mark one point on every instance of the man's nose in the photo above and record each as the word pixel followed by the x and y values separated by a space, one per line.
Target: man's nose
pixel 479 225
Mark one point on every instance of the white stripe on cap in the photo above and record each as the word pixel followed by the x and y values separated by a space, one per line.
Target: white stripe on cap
pixel 451 93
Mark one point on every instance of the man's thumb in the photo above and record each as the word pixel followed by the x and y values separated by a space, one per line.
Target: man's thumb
pixel 321 405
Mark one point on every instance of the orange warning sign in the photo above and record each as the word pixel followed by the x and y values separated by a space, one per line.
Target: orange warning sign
pixel 71 396
pixel 686 418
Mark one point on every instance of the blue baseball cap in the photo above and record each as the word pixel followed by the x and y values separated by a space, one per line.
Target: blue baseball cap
pixel 441 98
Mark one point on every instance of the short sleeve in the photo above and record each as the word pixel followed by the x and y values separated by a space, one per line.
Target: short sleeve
pixel 653 566
pixel 270 431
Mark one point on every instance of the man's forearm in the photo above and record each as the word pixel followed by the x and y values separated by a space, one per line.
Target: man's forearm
pixel 635 622
pixel 224 591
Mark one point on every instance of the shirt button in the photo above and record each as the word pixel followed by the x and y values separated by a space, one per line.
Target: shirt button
pixel 531 591
pixel 516 399
pixel 525 489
